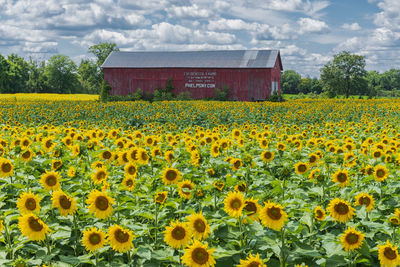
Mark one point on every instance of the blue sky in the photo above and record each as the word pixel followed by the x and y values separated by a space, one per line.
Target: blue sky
pixel 307 32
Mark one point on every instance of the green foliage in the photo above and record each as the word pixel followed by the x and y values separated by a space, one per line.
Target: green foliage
pixel 105 91
pixel 345 74
pixel 290 82
pixel 102 50
pixel 275 97
pixel 89 76
pixel 184 96
pixel 61 74
pixel 221 94
pixel 138 95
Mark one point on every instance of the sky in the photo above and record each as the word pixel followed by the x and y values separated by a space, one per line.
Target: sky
pixel 307 32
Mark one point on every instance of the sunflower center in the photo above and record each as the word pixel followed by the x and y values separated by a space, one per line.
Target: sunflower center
pixel 34 224
pixel 313 159
pixel 57 164
pixel 364 201
pixel 107 155
pixel 101 175
pixel 200 256
pixel 253 264
pixel 319 214
pixel 171 175
pixel 129 183
pixel 160 197
pixel 26 154
pixel 352 238
pixel 94 238
pixel 274 213
pixel 242 187
pixel 30 204
pixel 341 208
pixel 267 155
pixel 200 226
pixel 236 204
pixel 6 167
pixel 250 207
pixel 302 168
pixel 144 156
pixel 101 203
pixel 342 177
pixel 178 233
pixel 390 253
pixel 237 164
pixel 380 173
pixel 65 203
pixel 131 170
pixel 51 180
pixel 121 236
pixel 49 144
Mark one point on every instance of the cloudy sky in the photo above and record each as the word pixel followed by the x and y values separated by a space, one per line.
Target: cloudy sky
pixel 307 32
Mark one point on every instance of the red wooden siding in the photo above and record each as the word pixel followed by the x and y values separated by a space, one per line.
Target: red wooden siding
pixel 245 84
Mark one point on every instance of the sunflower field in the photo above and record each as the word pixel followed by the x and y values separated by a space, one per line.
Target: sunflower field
pixel 199 183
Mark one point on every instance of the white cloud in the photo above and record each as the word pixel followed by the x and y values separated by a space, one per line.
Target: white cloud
pixel 308 25
pixel 193 11
pixel 352 27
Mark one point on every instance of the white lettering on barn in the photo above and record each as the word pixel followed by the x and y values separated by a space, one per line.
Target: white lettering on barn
pixel 199 79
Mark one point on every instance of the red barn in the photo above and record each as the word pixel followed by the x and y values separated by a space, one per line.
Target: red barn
pixel 248 74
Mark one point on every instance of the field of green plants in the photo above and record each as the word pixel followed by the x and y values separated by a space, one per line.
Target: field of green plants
pixel 199 183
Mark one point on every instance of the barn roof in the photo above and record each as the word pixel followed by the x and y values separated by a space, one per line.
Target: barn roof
pixel 194 59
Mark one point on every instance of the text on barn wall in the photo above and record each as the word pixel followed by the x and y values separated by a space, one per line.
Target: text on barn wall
pixel 199 79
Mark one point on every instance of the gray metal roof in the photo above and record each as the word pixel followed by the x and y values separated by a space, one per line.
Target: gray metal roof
pixel 194 59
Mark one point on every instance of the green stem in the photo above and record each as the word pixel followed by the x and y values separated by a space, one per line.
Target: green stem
pixel 96 255
pixel 129 258
pixel 48 246
pixel 156 226
pixel 240 220
pixel 8 241
pixel 75 223
pixel 215 200
pixel 282 256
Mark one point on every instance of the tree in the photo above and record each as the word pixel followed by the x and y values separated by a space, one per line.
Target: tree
pixel 89 76
pixel 4 66
pixel 102 50
pixel 37 81
pixel 61 75
pixel 345 74
pixel 290 82
pixel 18 74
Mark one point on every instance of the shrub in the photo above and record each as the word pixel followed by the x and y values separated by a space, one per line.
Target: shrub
pixel 105 91
pixel 184 96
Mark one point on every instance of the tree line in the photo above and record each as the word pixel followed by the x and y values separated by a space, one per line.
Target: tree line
pixel 344 75
pixel 59 74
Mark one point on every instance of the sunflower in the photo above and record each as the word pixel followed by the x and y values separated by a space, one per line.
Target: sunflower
pixel 76 150
pixel 185 189
pixel 143 157
pixel 301 167
pixel 394 220
pixel 234 204
pixel 251 209
pixel 177 235
pixel 129 183
pixel 319 213
pixel 71 172
pixel 281 146
pixel 236 164
pixel 267 156
pixel 313 158
pixel 100 204
pixel 273 216
pixel 198 226
pixel 169 156
pixel 241 187
pixel 171 176
pixel 315 174
pixel 252 261
pixel 364 199
pixel 99 176
pixel 6 167
pixel 131 169
pixel 215 150
pixel 32 227
pixel 48 144
pixel 381 173
pixel 28 203
pixel 93 239
pixel 65 204
pixel 56 164
pixel 219 185
pixel 106 155
pixel 197 255
pixel 341 177
pixel 97 165
pixel 160 197
pixel 351 239
pixel 340 210
pixel 120 238
pixel 27 155
pixel 50 180
pixel 388 255
pixel 1 226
